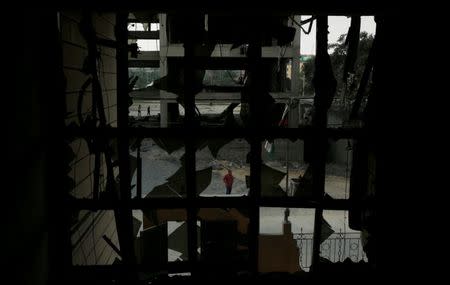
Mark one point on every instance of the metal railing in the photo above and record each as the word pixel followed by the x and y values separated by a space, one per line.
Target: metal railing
pixel 336 248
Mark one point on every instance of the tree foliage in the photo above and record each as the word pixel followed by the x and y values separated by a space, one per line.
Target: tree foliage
pixel 337 56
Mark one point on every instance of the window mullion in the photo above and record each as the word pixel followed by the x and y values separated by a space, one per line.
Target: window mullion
pixel 255 88
pixel 323 84
pixel 124 214
pixel 189 124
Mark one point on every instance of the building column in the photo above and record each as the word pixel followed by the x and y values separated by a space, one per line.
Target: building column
pixel 163 47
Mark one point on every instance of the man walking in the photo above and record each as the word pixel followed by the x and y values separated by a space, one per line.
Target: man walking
pixel 228 180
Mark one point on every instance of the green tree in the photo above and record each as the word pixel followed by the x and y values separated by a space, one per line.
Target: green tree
pixel 337 56
pixel 306 73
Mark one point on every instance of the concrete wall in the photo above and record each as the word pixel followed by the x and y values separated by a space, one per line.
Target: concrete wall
pixel 88 245
pixel 278 253
pixel 295 151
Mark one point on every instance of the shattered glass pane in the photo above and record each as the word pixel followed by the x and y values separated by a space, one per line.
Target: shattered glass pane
pixel 94 238
pixel 277 156
pixel 342 242
pixel 219 98
pixel 162 169
pixel 162 237
pixel 222 156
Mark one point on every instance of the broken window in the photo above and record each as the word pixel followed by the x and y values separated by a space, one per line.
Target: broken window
pixel 157 168
pixel 341 241
pixel 284 168
pixel 226 161
pixel 94 238
pixel 207 119
pixel 161 239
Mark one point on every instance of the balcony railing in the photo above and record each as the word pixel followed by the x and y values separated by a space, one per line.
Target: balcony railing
pixel 336 248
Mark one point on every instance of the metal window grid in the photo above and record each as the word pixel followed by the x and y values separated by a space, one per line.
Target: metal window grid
pixel 319 134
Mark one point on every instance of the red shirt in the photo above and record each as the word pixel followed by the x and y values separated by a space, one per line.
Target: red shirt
pixel 228 180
